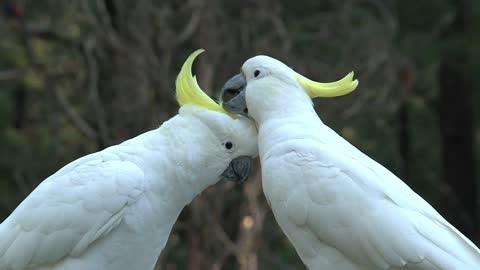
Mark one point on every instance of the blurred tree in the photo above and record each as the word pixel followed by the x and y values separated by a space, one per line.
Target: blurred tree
pixel 456 122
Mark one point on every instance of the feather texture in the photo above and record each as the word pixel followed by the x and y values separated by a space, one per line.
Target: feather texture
pixel 114 209
pixel 69 211
pixel 340 209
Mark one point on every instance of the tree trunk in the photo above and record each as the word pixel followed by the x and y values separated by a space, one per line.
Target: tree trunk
pixel 456 127
pixel 20 99
pixel 407 79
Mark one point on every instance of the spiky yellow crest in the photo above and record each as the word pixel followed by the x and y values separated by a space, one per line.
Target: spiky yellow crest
pixel 188 90
pixel 333 89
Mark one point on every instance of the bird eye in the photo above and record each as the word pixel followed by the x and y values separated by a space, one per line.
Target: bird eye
pixel 228 145
pixel 256 73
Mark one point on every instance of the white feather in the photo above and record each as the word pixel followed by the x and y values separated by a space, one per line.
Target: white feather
pixel 114 209
pixel 339 208
pixel 66 212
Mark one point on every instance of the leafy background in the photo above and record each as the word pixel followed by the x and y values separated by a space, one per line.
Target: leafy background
pixel 77 76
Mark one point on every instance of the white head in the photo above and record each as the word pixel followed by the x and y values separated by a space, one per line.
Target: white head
pixel 266 85
pixel 219 144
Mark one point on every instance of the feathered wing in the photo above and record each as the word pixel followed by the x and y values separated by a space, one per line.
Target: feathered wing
pixel 427 221
pixel 393 228
pixel 69 210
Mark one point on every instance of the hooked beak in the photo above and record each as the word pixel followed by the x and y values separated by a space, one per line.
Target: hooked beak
pixel 239 169
pixel 233 95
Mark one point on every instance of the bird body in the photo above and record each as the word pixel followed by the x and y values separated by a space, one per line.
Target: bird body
pixel 114 209
pixel 343 210
pixel 339 208
pixel 115 192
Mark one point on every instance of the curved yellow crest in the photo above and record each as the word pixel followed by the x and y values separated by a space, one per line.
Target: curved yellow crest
pixel 187 88
pixel 333 89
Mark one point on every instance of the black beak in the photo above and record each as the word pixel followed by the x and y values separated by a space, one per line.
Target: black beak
pixel 239 169
pixel 233 95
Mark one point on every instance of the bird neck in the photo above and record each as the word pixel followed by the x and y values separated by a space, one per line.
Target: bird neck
pixel 302 123
pixel 302 130
pixel 168 160
pixel 165 157
pixel 175 159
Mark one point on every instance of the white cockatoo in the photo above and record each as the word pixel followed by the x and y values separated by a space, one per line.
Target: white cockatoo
pixel 340 209
pixel 114 209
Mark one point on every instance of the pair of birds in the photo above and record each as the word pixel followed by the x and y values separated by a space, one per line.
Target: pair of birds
pixel 114 209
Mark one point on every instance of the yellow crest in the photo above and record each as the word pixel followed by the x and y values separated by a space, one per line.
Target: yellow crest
pixel 188 90
pixel 333 89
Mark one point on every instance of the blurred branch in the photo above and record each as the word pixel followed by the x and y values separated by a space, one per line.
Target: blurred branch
pixel 189 28
pixel 51 35
pixel 443 23
pixel 23 184
pixel 74 116
pixel 103 23
pixel 38 66
pixel 281 29
pixel 176 38
pixel 386 13
pixel 375 62
pixel 6 75
pixel 229 246
pixel 251 224
pixel 91 82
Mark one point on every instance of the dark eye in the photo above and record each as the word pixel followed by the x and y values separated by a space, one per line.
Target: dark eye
pixel 228 145
pixel 256 73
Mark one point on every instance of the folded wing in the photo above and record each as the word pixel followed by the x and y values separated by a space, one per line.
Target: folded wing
pixel 69 210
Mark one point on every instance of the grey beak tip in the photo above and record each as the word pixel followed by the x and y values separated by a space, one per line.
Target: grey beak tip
pixel 233 95
pixel 239 169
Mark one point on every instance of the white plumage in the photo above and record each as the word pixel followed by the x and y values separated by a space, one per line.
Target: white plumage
pixel 340 209
pixel 114 209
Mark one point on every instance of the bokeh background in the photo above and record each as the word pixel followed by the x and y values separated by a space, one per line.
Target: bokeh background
pixel 77 76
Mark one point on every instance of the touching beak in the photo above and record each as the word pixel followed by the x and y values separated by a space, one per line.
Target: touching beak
pixel 233 95
pixel 239 169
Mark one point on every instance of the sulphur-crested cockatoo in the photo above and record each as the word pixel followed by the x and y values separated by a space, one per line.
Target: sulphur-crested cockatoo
pixel 114 209
pixel 339 208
